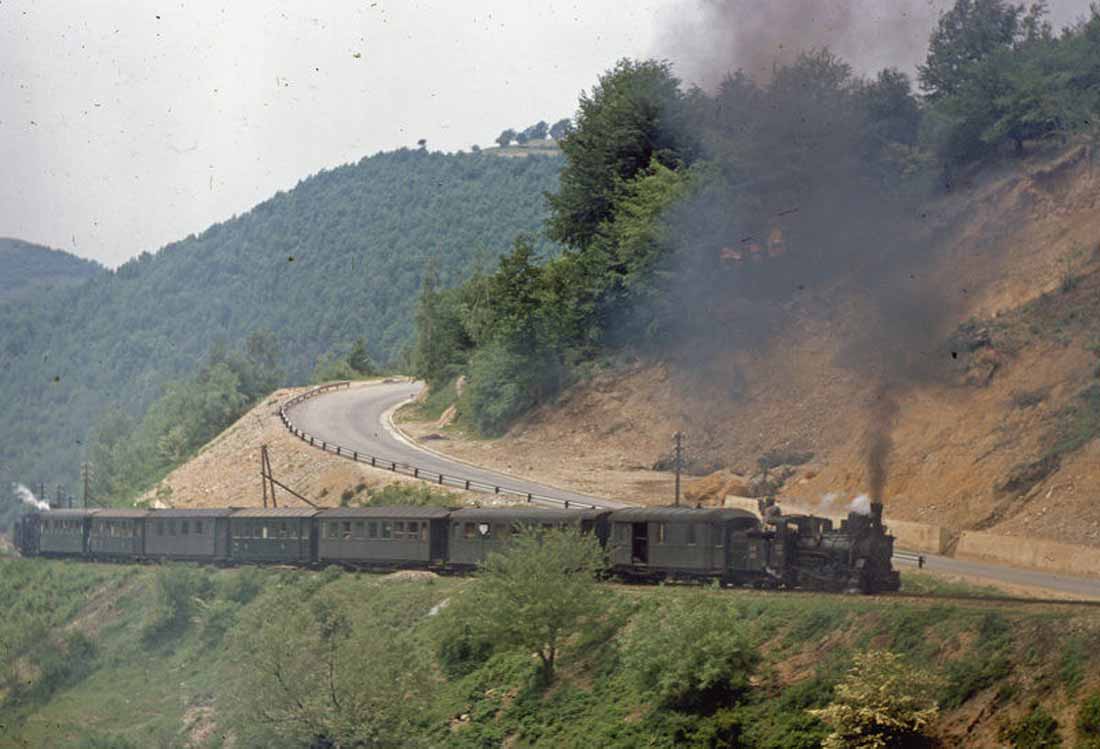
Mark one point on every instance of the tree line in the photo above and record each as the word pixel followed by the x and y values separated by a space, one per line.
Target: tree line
pixel 539 131
pixel 338 257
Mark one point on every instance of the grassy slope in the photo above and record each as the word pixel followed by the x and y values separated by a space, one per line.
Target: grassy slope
pixel 996 661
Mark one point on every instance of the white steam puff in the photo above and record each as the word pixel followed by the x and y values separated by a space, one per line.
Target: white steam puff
pixel 828 499
pixel 28 498
pixel 861 505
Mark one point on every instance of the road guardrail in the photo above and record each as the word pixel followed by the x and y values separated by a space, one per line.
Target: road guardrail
pixel 406 469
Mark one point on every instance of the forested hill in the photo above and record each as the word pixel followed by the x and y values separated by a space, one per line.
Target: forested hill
pixel 338 257
pixel 26 267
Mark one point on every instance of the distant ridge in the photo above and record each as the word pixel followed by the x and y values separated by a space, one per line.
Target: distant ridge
pixel 26 268
pixel 339 256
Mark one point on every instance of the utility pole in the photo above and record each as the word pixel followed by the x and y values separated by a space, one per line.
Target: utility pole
pixel 86 474
pixel 679 436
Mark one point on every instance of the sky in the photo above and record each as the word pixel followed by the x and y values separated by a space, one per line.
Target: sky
pixel 126 125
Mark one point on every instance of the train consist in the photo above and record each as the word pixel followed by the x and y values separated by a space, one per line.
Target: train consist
pixel 732 546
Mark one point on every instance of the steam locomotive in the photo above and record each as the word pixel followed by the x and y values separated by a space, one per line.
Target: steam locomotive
pixel 731 546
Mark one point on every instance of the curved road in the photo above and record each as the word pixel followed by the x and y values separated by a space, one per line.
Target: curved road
pixel 358 418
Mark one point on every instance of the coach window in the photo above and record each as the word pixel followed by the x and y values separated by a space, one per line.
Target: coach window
pixel 387 529
pixel 198 527
pixel 469 530
pixel 160 528
pixel 717 531
pixel 372 529
pixel 399 529
pixel 691 534
pixel 500 530
pixel 185 528
pixel 171 527
pixel 660 533
pixel 347 530
pixel 423 532
pixel 330 529
pixel 411 530
pixel 358 529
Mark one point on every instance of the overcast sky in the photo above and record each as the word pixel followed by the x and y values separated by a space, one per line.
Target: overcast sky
pixel 125 125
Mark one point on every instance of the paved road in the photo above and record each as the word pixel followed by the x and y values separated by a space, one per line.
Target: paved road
pixel 357 419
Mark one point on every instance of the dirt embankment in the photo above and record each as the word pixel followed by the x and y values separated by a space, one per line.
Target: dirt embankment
pixel 226 472
pixel 1018 256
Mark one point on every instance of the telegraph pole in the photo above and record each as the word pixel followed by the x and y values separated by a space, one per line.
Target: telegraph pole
pixel 679 436
pixel 86 475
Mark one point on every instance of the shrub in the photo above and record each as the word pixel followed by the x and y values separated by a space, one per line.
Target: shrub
pixel 1088 722
pixel 178 587
pixel 461 653
pixel 1036 730
pixel 242 586
pixel 882 702
pixel 691 654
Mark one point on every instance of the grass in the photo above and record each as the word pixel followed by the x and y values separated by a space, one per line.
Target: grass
pixel 431 408
pixel 128 690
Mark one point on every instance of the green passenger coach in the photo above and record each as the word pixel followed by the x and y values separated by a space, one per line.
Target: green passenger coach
pixel 273 535
pixel 391 536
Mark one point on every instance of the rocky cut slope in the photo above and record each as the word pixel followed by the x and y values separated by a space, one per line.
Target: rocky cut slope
pixel 999 436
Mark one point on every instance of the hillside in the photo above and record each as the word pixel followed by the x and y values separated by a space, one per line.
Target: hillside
pixel 1002 439
pixel 339 256
pixel 27 269
pixel 129 656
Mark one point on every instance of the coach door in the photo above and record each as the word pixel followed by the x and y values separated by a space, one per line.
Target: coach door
pixel 639 547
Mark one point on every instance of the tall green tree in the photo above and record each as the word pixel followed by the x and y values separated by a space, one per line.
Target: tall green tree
pixel 965 35
pixel 634 115
pixel 535 594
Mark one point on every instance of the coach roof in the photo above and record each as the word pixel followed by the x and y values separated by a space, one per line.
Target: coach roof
pixel 192 512
pixel 523 512
pixel 679 515
pixel 391 511
pixel 275 513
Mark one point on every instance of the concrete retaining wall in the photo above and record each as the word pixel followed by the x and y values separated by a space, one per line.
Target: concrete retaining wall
pixel 1029 552
pixel 931 539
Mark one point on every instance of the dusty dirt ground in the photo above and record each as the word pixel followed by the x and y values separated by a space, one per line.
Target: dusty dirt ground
pixel 226 472
pixel 1009 242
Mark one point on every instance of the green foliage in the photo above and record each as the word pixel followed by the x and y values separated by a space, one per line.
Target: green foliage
pixel 533 595
pixel 633 116
pixel 966 35
pixel 1036 730
pixel 179 589
pixel 331 667
pixel 1088 722
pixel 1073 662
pixel 417 494
pixel 27 269
pixel 337 257
pixel 691 655
pixel 882 702
pixel 986 664
pixel 129 457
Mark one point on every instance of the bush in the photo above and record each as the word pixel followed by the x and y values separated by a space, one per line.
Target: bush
pixel 692 654
pixel 1088 722
pixel 242 586
pixel 461 653
pixel 418 495
pixel 1036 730
pixel 60 666
pixel 178 587
pixel 882 702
